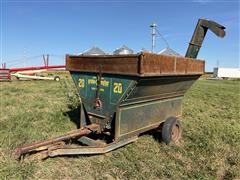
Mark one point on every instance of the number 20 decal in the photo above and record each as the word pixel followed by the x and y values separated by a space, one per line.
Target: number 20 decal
pixel 117 88
pixel 81 83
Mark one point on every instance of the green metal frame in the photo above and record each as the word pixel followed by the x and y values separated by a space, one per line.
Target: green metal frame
pixel 142 103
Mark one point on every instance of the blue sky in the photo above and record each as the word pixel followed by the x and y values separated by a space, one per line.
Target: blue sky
pixel 32 28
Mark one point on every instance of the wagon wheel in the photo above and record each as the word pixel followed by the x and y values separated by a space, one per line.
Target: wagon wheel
pixel 56 78
pixel 171 130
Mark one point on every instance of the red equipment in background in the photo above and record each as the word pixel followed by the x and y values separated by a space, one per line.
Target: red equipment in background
pixel 27 73
pixel 45 67
pixel 5 73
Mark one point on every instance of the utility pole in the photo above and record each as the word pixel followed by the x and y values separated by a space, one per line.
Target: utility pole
pixel 153 26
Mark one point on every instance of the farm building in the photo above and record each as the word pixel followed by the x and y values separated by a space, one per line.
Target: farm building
pixel 226 72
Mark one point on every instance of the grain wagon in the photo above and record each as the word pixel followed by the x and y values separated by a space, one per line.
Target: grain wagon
pixel 122 96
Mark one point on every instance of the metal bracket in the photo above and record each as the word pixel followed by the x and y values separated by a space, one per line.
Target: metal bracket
pixel 68 150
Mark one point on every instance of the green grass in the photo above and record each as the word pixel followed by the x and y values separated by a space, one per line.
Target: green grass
pixel 209 148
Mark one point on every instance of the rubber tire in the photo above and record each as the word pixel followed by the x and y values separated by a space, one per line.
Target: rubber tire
pixel 57 78
pixel 167 128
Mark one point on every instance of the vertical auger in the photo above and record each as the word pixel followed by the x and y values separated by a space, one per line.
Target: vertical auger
pixel 199 34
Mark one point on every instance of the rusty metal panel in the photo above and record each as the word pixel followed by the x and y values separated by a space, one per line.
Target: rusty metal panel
pixel 160 65
pixel 194 67
pixel 181 65
pixel 144 64
pixel 127 65
pixel 154 64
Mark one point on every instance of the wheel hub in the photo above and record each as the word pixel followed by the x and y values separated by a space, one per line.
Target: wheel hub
pixel 175 133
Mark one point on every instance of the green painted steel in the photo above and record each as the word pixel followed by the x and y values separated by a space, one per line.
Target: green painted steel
pixel 130 105
pixel 135 119
pixel 112 91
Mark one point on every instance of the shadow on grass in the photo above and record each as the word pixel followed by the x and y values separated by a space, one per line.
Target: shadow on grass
pixel 74 114
pixel 155 133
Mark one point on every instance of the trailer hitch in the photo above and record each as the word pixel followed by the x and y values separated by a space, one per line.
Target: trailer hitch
pixel 57 147
pixel 43 145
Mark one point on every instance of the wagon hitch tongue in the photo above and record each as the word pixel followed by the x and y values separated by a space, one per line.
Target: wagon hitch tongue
pixel 46 145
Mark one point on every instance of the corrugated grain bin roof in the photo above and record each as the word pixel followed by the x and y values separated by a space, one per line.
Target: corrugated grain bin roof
pixel 123 50
pixel 169 52
pixel 93 51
